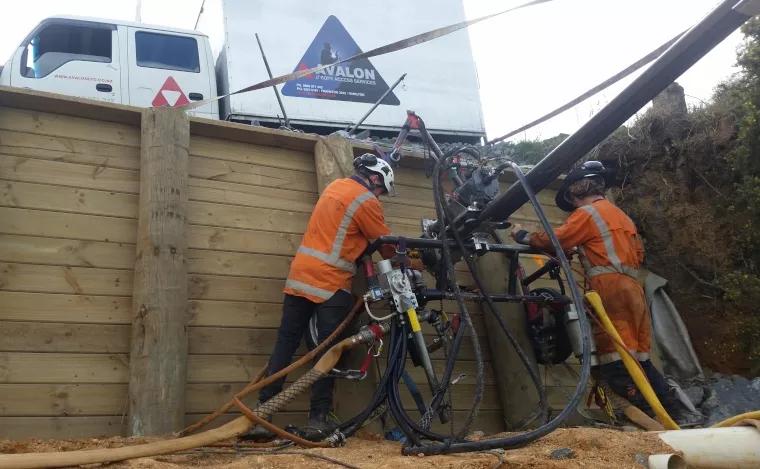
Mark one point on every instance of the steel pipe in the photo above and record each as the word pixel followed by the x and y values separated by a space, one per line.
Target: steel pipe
pixel 684 53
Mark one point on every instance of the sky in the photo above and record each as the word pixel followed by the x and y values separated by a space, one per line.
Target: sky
pixel 529 62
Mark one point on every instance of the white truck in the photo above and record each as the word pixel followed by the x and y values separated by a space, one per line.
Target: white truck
pixel 143 65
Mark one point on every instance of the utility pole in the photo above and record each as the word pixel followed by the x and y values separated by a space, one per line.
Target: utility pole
pixel 138 11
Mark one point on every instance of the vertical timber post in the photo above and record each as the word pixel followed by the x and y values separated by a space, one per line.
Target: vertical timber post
pixel 517 394
pixel 158 353
pixel 334 156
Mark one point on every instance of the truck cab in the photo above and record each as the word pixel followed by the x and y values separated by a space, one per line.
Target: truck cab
pixel 117 62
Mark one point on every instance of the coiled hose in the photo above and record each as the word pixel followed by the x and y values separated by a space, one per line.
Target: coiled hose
pixel 542 401
pixel 530 436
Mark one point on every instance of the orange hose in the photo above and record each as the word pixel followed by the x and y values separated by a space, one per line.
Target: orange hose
pixel 277 430
pixel 257 382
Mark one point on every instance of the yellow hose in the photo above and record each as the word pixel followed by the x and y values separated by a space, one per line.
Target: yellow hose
pixel 731 421
pixel 631 364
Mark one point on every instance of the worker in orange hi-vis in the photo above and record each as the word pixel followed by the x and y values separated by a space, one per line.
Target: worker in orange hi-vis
pixel 347 217
pixel 611 252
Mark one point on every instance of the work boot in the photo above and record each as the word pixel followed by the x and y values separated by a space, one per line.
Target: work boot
pixel 257 432
pixel 321 424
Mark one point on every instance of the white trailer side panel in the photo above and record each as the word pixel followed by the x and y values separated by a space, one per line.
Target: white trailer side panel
pixel 441 83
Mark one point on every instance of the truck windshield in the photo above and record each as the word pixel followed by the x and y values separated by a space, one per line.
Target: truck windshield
pixel 57 44
pixel 167 51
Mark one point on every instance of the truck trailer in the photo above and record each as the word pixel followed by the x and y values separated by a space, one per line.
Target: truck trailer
pixel 143 65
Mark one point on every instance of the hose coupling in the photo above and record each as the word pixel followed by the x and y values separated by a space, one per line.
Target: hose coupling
pixel 336 439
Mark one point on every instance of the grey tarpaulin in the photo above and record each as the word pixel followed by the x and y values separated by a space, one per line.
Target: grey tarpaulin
pixel 670 335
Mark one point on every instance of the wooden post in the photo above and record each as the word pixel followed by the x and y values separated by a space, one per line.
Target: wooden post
pixel 333 156
pixel 517 393
pixel 158 355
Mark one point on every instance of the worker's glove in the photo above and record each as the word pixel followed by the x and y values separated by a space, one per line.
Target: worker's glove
pixel 520 235
pixel 416 264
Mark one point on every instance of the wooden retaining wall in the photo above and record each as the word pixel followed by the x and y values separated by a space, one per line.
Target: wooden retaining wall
pixel 69 184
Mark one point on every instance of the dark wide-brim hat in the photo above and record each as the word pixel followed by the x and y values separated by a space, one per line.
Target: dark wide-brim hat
pixel 589 169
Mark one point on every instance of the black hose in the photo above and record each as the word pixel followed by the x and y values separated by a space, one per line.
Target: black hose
pixel 491 306
pixel 542 401
pixel 352 425
pixel 449 265
pixel 530 436
pixel 408 426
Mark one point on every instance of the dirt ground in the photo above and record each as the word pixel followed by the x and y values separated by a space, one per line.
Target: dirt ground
pixel 592 448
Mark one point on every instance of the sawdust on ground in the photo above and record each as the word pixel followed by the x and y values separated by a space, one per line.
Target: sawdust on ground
pixel 592 448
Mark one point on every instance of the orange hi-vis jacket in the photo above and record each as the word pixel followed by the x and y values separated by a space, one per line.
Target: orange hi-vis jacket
pixel 611 252
pixel 346 218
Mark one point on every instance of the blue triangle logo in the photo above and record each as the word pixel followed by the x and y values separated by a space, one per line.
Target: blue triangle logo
pixel 356 81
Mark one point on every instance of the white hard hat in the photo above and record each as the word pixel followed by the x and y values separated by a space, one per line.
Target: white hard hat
pixel 369 163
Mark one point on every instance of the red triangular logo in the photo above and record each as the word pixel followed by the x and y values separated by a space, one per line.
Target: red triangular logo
pixel 170 95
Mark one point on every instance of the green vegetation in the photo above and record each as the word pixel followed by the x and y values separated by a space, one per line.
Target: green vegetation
pixel 528 152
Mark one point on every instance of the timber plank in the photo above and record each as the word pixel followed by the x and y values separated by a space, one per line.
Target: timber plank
pixel 214 287
pixel 64 338
pixel 207 397
pixel 26 336
pixel 257 175
pixel 253 154
pixel 62 427
pixel 241 368
pixel 243 240
pixel 233 314
pixel 62 399
pixel 57 279
pixel 42 307
pixel 59 125
pixel 63 308
pixel 233 216
pixel 67 199
pixel 232 131
pixel 66 252
pixel 38 400
pixel 69 149
pixel 16 221
pixel 260 341
pixel 68 174
pixel 252 196
pixel 104 426
pixel 236 263
pixel 24 367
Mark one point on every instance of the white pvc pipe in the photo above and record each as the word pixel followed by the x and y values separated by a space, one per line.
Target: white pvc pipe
pixel 666 461
pixel 734 447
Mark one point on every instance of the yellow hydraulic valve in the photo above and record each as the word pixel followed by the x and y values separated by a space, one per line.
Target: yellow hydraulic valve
pixel 631 364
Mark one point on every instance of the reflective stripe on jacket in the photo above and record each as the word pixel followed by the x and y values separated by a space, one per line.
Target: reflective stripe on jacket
pixel 345 219
pixel 611 253
pixel 605 235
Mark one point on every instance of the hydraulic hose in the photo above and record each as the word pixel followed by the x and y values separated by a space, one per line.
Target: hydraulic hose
pixel 259 381
pixel 450 274
pixel 731 421
pixel 381 392
pixel 408 426
pixel 530 436
pixel 542 401
pixel 229 430
pixel 631 364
